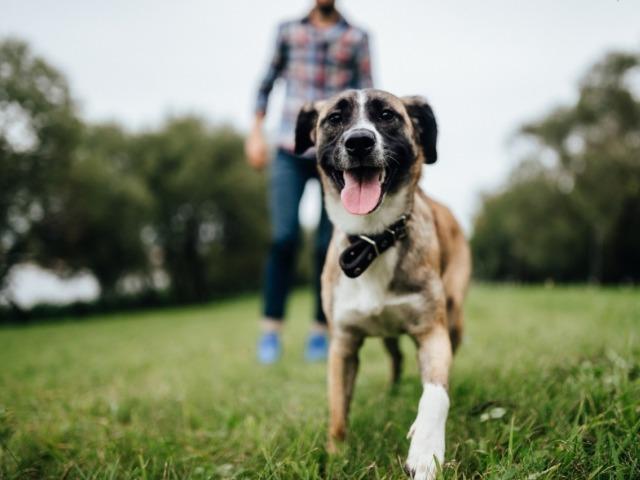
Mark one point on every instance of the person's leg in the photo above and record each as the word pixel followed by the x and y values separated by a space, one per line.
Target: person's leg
pixel 287 182
pixel 286 188
pixel 317 344
pixel 323 237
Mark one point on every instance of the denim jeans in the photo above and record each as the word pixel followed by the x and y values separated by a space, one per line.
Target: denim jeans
pixel 289 175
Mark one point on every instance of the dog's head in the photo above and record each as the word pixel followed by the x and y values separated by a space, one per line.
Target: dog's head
pixel 370 147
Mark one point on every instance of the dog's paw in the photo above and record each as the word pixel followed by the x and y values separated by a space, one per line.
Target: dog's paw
pixel 332 447
pixel 427 433
pixel 335 446
pixel 422 461
pixel 421 470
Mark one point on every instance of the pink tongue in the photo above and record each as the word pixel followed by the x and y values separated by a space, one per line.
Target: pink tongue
pixel 360 196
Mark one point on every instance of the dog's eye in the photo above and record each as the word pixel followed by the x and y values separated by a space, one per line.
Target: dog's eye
pixel 335 118
pixel 387 115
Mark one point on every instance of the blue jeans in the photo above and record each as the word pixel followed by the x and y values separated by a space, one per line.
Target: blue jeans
pixel 289 175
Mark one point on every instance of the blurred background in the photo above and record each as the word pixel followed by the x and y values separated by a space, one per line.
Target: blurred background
pixel 123 181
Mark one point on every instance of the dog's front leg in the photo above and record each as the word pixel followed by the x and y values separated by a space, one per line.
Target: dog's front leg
pixel 428 430
pixel 343 368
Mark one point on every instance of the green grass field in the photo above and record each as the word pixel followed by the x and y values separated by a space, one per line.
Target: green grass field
pixel 176 393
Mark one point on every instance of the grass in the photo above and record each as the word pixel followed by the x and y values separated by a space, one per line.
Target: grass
pixel 547 385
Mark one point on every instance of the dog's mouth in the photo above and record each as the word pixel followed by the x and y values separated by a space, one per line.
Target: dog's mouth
pixel 361 189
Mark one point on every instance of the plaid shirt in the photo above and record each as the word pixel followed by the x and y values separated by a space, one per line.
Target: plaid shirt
pixel 316 64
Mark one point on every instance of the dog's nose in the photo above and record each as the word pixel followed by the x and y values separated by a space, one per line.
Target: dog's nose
pixel 360 142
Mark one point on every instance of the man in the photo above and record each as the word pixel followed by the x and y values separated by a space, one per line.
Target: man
pixel 318 56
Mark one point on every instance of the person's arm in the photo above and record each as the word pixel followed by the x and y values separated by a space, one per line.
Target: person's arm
pixel 363 64
pixel 256 148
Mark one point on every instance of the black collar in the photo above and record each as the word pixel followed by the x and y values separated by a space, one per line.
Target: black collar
pixel 364 249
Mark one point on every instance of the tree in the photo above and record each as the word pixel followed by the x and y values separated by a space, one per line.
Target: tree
pixel 585 202
pixel 80 197
pixel 530 231
pixel 38 133
pixel 596 143
pixel 105 206
pixel 209 218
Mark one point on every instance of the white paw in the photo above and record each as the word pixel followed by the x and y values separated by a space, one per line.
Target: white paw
pixel 426 451
pixel 421 462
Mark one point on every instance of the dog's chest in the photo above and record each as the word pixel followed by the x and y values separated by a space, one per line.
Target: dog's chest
pixel 367 304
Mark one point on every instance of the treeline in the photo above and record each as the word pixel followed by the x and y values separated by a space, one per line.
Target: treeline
pixel 171 212
pixel 570 212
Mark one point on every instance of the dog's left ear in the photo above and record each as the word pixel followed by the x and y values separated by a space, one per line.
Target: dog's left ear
pixel 424 124
pixel 306 128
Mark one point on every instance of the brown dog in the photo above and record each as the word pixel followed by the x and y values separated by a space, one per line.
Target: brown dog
pixel 398 261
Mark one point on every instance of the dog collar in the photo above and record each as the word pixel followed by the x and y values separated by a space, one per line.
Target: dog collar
pixel 364 249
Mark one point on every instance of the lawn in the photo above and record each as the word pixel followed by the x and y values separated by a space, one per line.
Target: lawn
pixel 546 385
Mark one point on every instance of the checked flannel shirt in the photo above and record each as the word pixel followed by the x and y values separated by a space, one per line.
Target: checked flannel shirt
pixel 316 64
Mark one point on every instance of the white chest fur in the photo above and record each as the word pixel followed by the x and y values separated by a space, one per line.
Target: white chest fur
pixel 366 302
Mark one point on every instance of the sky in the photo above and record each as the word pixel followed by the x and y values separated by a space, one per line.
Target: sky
pixel 486 67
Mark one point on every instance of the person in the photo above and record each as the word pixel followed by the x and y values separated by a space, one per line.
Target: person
pixel 318 56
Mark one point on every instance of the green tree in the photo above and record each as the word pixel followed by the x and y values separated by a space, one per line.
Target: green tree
pixel 38 133
pixel 576 217
pixel 210 219
pixel 105 208
pixel 79 197
pixel 530 231
pixel 596 142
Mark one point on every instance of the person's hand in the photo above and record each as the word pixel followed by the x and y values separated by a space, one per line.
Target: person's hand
pixel 256 149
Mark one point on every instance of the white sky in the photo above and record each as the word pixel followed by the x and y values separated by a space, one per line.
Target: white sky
pixel 487 66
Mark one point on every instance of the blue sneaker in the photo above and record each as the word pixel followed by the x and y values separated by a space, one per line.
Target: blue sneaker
pixel 317 346
pixel 269 349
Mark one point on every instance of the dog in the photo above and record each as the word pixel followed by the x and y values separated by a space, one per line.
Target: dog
pixel 398 262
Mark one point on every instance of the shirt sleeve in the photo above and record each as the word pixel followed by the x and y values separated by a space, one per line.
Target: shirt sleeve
pixel 363 64
pixel 276 66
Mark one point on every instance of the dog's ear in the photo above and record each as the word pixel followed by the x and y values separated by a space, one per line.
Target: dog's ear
pixel 424 124
pixel 306 128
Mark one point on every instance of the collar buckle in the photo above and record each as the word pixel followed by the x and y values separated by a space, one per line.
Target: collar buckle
pixel 372 242
pixel 364 249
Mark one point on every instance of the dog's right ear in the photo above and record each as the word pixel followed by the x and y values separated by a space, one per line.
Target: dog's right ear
pixel 306 128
